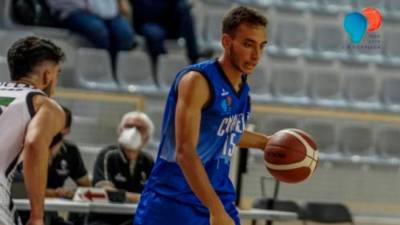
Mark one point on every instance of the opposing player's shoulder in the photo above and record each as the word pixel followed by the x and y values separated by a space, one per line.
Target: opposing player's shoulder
pixel 47 103
pixel 52 105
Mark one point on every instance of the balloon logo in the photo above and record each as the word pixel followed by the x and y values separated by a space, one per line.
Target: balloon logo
pixel 356 24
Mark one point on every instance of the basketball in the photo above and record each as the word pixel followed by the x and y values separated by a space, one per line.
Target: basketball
pixel 291 155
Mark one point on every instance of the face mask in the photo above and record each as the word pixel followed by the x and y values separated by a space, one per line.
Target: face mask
pixel 130 139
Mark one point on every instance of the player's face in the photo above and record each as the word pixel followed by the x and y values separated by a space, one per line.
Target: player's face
pixel 53 71
pixel 247 47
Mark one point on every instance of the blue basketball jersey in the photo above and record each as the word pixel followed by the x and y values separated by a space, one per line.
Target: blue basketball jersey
pixel 222 124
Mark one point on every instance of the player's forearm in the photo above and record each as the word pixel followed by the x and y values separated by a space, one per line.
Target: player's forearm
pixel 198 181
pixel 35 176
pixel 250 139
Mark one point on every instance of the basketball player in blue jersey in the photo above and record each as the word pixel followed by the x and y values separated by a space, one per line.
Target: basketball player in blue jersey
pixel 205 116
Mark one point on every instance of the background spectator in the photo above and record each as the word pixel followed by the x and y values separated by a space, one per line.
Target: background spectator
pixel 158 20
pixel 125 167
pixel 65 162
pixel 98 20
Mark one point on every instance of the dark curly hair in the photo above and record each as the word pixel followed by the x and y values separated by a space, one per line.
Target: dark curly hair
pixel 239 15
pixel 26 53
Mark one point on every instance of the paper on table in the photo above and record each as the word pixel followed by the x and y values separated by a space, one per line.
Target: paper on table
pixel 90 195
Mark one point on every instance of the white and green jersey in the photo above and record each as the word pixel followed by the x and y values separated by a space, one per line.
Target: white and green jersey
pixel 16 111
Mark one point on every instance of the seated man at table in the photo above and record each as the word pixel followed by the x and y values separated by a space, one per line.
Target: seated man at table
pixel 65 162
pixel 125 167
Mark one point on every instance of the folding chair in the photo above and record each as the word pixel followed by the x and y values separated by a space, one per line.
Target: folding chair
pixel 275 204
pixel 327 213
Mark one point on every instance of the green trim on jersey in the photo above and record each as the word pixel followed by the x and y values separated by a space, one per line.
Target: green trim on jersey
pixel 5 101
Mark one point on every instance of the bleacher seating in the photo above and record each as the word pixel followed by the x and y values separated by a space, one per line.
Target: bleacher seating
pixel 4 74
pixel 274 123
pixel 328 39
pixel 298 5
pixel 388 144
pixel 298 41
pixel 319 35
pixel 70 50
pixel 324 133
pixel 169 65
pixel 361 89
pixel 359 5
pixel 391 48
pixel 7 38
pixel 336 6
pixel 259 81
pixel 391 92
pixel 345 138
pixel 393 7
pixel 325 86
pixel 134 72
pixel 93 69
pixel 372 53
pixel 309 67
pixel 356 138
pixel 212 29
pixel 288 83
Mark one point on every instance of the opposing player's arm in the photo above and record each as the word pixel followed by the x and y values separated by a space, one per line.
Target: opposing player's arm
pixel 47 122
pixel 193 95
pixel 250 139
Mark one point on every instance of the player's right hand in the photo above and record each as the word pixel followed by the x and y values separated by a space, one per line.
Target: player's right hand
pixel 221 219
pixel 35 222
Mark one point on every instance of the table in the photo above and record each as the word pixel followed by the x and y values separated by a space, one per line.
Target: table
pixel 264 214
pixel 55 204
pixel 117 208
pixel 125 208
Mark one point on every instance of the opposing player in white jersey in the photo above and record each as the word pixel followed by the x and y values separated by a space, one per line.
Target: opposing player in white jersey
pixel 29 120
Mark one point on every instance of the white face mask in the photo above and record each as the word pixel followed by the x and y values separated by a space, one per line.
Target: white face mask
pixel 130 139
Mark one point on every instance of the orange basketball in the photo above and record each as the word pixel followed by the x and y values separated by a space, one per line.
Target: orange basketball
pixel 291 155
